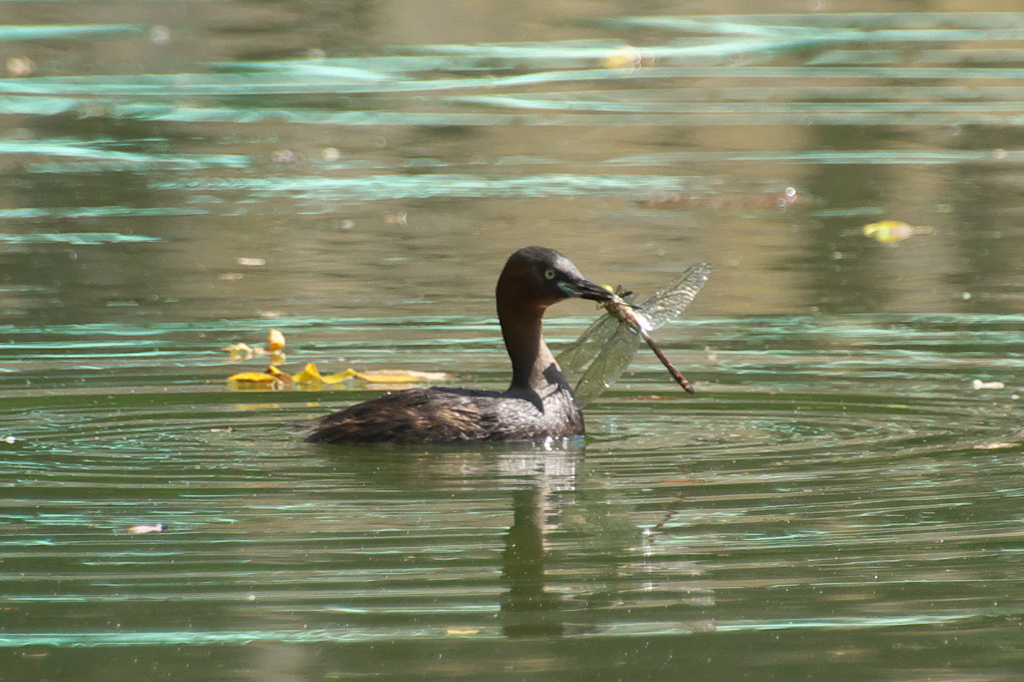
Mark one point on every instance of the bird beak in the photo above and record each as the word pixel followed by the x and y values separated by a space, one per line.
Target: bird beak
pixel 584 288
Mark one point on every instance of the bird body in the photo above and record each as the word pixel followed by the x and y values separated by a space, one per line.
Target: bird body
pixel 539 402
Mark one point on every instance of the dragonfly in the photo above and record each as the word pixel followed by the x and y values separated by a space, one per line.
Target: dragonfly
pixel 603 352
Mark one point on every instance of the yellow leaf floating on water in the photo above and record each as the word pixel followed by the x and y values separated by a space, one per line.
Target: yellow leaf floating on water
pixel 275 340
pixel 399 376
pixel 626 57
pixel 309 375
pixel 252 378
pixel 275 347
pixel 275 344
pixel 274 371
pixel 273 379
pixel 892 231
pixel 310 378
pixel 339 377
pixel 240 351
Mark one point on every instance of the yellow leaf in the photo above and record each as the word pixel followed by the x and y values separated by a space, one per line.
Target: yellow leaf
pixel 626 57
pixel 240 351
pixel 309 375
pixel 275 340
pixel 400 376
pixel 339 377
pixel 272 378
pixel 252 377
pixel 274 371
pixel 254 380
pixel 892 231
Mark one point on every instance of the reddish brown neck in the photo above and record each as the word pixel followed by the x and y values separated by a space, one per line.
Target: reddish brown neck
pixel 521 307
pixel 524 341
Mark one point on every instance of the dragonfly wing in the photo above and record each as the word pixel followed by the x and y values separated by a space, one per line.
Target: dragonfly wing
pixel 603 352
pixel 671 301
pixel 574 359
pixel 615 356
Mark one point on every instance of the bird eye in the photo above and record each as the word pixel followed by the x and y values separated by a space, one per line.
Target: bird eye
pixel 549 274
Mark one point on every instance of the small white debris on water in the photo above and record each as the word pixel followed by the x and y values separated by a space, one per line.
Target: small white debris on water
pixel 995 446
pixel 142 528
pixel 979 385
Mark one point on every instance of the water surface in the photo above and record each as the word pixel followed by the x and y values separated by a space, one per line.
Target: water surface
pixel 839 495
pixel 840 501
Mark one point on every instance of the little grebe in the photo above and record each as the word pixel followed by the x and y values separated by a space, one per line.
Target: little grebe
pixel 538 404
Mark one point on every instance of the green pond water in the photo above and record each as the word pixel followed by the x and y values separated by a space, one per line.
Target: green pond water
pixel 841 500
